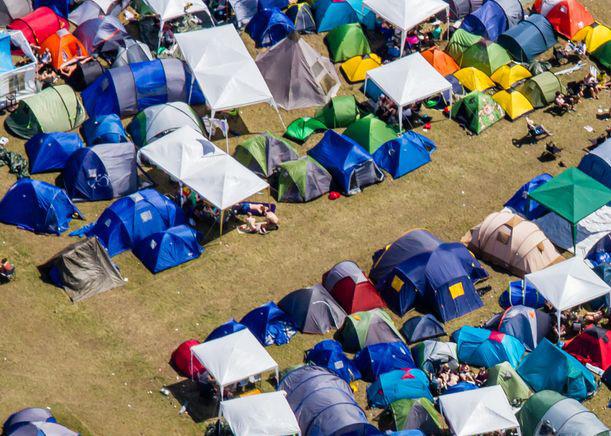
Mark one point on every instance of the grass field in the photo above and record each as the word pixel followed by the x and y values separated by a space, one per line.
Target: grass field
pixel 100 364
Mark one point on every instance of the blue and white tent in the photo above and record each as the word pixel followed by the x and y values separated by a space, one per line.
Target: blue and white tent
pixel 597 163
pixel 269 324
pixel 269 26
pixel 168 248
pixel 51 151
pixel 404 154
pixel 104 129
pixel 493 18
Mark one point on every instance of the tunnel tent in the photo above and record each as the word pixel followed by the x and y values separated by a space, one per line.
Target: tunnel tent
pixel 262 154
pixel 132 52
pixel 529 38
pixel 540 90
pixel 301 180
pixel 461 8
pixel 10 10
pixel 85 74
pixel 460 41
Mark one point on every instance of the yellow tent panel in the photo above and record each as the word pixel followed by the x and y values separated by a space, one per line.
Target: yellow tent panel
pixel 594 36
pixel 356 68
pixel 507 76
pixel 473 79
pixel 514 103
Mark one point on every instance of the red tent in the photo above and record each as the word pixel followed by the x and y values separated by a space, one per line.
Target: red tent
pixel 39 25
pixel 566 16
pixel 181 360
pixel 592 346
pixel 351 288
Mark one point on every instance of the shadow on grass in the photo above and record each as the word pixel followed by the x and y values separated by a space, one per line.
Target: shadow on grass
pixel 200 405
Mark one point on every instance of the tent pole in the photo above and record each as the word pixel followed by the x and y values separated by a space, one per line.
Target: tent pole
pixel 212 114
pixel 403 38
pixel 558 324
pixel 365 86
pixel 161 24
pixel 574 239
pixel 221 226
pixel 278 112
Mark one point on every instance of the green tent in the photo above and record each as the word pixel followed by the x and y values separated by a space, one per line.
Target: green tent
pixel 540 90
pixel 339 112
pixel 263 153
pixel 573 195
pixel 301 180
pixel 486 56
pixel 603 55
pixel 370 132
pixel 459 43
pixel 516 389
pixel 301 129
pixel 477 111
pixel 418 414
pixel 347 41
pixel 55 109
pixel 362 329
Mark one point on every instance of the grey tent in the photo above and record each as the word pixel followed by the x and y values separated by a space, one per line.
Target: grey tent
pixel 514 11
pixel 38 428
pixel 597 163
pixel 297 75
pixel 301 180
pixel 13 9
pixel 313 309
pixel 524 323
pixel 101 35
pixel 263 153
pixel 84 269
pixel 90 9
pixel 529 38
pixel 540 90
pixel 244 10
pixel 461 8
pixel 132 52
pixel 421 328
pixel 430 355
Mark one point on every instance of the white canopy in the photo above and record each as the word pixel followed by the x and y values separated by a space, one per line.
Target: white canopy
pixel 478 411
pixel 263 414
pixel 408 80
pixel 234 357
pixel 170 9
pixel 187 156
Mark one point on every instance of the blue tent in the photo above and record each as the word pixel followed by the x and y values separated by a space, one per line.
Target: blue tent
pixel 421 328
pixel 481 347
pixel 521 294
pixel 398 385
pixel 597 163
pixel 404 154
pixel 168 248
pixel 6 61
pixel 600 252
pixel 523 205
pixel 269 324
pixel 350 165
pixel 529 38
pixel 269 26
pixel 419 268
pixel 330 355
pixel 133 218
pixel 550 368
pixel 25 416
pixel 365 16
pixel 493 18
pixel 104 129
pixel 50 151
pixel 366 429
pixel 60 7
pixel 269 4
pixel 37 206
pixel 225 329
pixel 377 359
pixel 330 14
pixel 457 88
pixel 101 172
pixel 459 387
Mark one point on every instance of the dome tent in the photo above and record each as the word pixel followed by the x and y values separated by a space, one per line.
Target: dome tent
pixel 227 328
pixel 440 60
pixel 370 132
pixel 330 14
pixel 341 111
pixel 419 413
pixel 404 154
pixel 269 324
pixel 183 364
pixel 303 18
pixel 302 128
pixel 603 55
pixel 485 348
pixel 477 111
pixel 269 26
pixel 528 325
pixel 132 52
pixel 508 75
pixel 355 69
pixel 102 35
pixel 262 154
pixel 64 47
pixel 362 329
pixel 522 204
pixel 431 354
pixel 460 41
pixel 347 41
pixel 10 10
pixel 301 180
pixel 474 79
pixel 566 16
pixel 461 8
pixel 50 151
pixel 407 383
pixel 39 24
pixel 516 390
pixel 529 38
pixel 421 328
pixel 24 416
pixel 168 248
pixel 597 163
pixel 594 36
pixel 593 346
pixel 513 103
pixel 493 18
pixel 329 354
pixel 486 56
pixel 377 359
pixel 540 90
pixel 104 129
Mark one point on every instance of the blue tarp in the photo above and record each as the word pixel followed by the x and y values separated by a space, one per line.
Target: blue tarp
pixel 377 359
pixel 488 21
pixel 37 206
pixel 520 294
pixel 269 26
pixel 269 324
pixel 231 326
pixel 523 205
pixel 597 163
pixel 481 347
pixel 330 355
pixel 404 154
pixel 6 61
pixel 330 14
pixel 168 248
pixel 529 38
pixel 104 129
pixel 50 151
pixel 459 387
pixel 398 385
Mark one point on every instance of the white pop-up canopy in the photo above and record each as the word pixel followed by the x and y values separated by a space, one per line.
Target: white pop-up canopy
pixel 478 411
pixel 171 9
pixel 408 80
pixel 263 414
pixel 406 14
pixel 234 358
pixel 227 74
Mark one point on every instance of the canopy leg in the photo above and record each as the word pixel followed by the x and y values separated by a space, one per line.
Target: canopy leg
pixel 558 323
pixel 400 115
pixel 275 106
pixel 403 38
pixel 221 226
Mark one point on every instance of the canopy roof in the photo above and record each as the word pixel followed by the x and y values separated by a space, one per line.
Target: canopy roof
pixel 406 14
pixel 234 357
pixel 189 157
pixel 170 9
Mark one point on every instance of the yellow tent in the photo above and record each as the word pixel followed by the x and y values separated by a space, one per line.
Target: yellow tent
pixel 507 76
pixel 514 103
pixel 356 68
pixel 473 79
pixel 594 36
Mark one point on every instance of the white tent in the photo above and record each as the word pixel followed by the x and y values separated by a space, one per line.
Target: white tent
pixel 170 9
pixel 227 74
pixel 568 284
pixel 478 411
pixel 263 414
pixel 19 82
pixel 91 9
pixel 408 80
pixel 406 14
pixel 234 358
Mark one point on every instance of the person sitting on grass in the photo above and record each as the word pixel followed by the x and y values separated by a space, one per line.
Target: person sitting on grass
pixel 592 85
pixel 536 129
pixel 561 102
pixel 252 226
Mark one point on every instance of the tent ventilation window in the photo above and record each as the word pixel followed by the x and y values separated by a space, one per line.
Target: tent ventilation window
pixel 503 235
pixel 327 83
pixel 540 247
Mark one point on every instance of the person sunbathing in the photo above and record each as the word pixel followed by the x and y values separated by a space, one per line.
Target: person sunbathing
pixel 252 226
pixel 561 102
pixel 536 129
pixel 465 374
pixel 271 219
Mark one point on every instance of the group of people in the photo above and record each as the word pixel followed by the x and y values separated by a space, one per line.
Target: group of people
pixel 252 225
pixel 46 73
pixel 387 110
pixel 447 377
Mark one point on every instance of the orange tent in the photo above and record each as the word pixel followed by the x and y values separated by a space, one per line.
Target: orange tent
pixel 566 16
pixel 63 47
pixel 441 61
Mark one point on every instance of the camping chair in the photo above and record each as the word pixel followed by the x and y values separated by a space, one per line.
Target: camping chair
pixel 551 152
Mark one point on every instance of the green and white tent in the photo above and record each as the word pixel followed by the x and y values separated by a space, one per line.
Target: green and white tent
pixel 263 153
pixel 516 390
pixel 347 41
pixel 540 90
pixel 301 180
pixel 477 111
pixel 417 414
pixel 370 132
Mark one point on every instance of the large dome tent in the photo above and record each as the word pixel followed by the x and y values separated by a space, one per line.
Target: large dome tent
pixel 529 38
pixel 494 18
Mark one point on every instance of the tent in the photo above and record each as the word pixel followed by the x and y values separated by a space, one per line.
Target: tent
pixel 90 9
pixel 398 385
pixel 404 154
pixel 350 165
pixel 421 328
pixel 312 81
pixel 102 35
pixel 269 324
pixel 269 26
pixel 169 10
pixel 503 375
pixel 479 411
pixel 600 253
pixel 37 206
pixel 104 129
pixel 101 172
pixel 168 248
pixel 17 82
pixel 302 128
pixel 341 111
pixel 493 18
pixel 377 359
pixel 511 242
pixel 84 269
pixel 313 310
pixel 485 348
pixel 597 163
pixel 419 268
pixel 417 413
pixel 355 69
pixel 529 38
pixel 64 47
pixel 508 75
pixel 351 288
pixel 477 111
pixel 85 73
pixel 473 79
pixel 520 293
pixel 181 360
pixel 408 80
pixel 127 90
pixel 227 328
pixel 50 151
pixel 27 415
pixel 132 52
pixel 567 17
pixel 156 121
pixel 594 36
pixel 457 89
pixel 43 429
pixel 431 354
pixel 460 41
pixel 38 25
pixel 362 329
pixel 593 346
pixel 329 354
pixel 541 89
pixel 330 14
pixel 550 368
pixel 267 413
pixel 485 56
pixel 347 41
pixel 302 17
pixel 523 205
pixel 262 154
pixel 549 412
pixel 461 8
pixel 301 180
pixel 603 55
pixel 526 324
pixel 10 10
pixel 370 132
pixel 55 109
pixel 440 60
